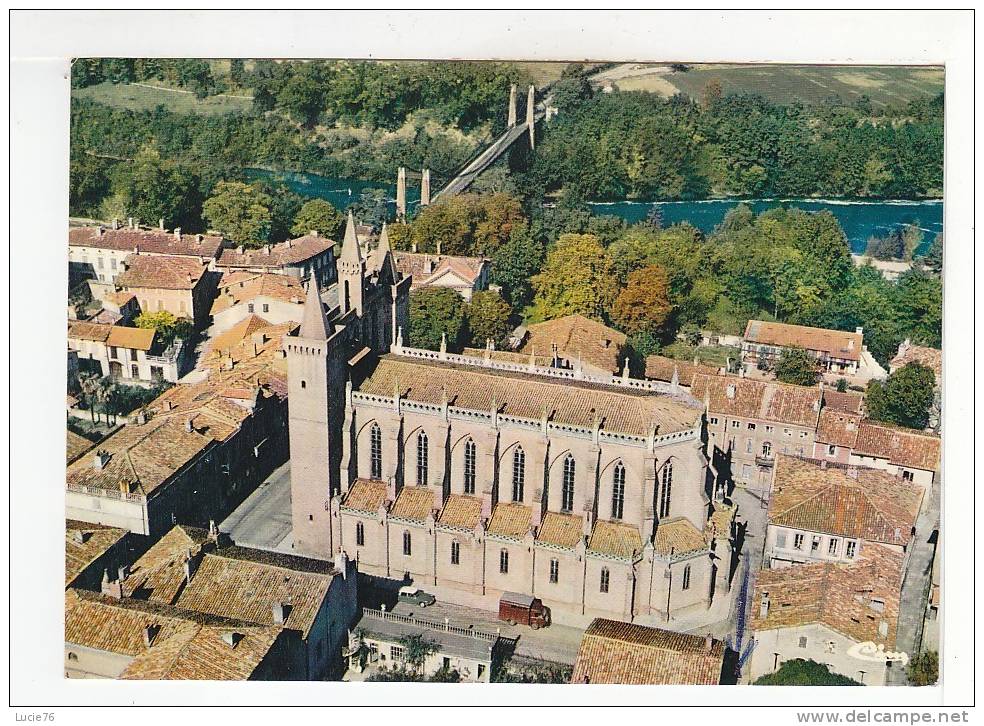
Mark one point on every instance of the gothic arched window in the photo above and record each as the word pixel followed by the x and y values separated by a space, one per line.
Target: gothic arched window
pixel 375 452
pixel 421 459
pixel 567 491
pixel 618 491
pixel 518 473
pixel 666 486
pixel 360 534
pixel 686 578
pixel 605 578
pixel 470 467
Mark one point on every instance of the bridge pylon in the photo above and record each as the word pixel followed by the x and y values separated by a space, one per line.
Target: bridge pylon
pixel 530 111
pixel 512 106
pixel 425 187
pixel 401 194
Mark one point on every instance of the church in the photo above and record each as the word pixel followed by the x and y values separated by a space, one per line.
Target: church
pixel 470 476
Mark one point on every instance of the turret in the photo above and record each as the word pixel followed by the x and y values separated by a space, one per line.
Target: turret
pixel 351 270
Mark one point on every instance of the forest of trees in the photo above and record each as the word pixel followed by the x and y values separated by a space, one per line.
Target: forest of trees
pixel 638 145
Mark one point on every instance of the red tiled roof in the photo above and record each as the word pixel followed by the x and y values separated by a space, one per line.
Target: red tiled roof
pixel 861 503
pixel 291 252
pixel 576 335
pixel 902 447
pixel 836 343
pixel 161 272
pixel 660 368
pixel 154 242
pixel 838 428
pixel 762 400
pixel 625 653
pixel 426 268
pixel 852 599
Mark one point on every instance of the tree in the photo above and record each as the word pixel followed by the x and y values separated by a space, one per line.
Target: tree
pixel 372 207
pixel 889 247
pixel 237 71
pixel 644 303
pixel 933 261
pixel 435 311
pixel 89 385
pixel 320 215
pixel 711 94
pixel 488 317
pixel 416 648
pixel 924 668
pixel 240 213
pixel 167 326
pixel 514 263
pixel 904 398
pixel 800 672
pixel 151 188
pixel 797 366
pixel 577 278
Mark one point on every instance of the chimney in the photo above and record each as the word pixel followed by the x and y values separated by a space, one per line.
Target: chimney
pixel 189 569
pixel 859 330
pixel 439 247
pixel 413 247
pixel 232 638
pixel 100 459
pixel 116 223
pixel 240 250
pixel 823 464
pixel 199 237
pixel 213 531
pixel 313 233
pixel 764 606
pixel 160 223
pixel 149 634
pixel 280 612
pixel 266 249
pixel 189 277
pixel 129 222
pixel 730 392
pixel 141 417
pixel 177 233
pixel 708 643
pixel 289 243
pixel 341 563
pixel 111 589
pixel 100 230
pixel 188 427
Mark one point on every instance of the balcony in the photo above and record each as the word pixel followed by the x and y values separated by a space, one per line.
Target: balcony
pixel 765 461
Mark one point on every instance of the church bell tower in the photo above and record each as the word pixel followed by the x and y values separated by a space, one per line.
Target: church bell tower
pixel 315 384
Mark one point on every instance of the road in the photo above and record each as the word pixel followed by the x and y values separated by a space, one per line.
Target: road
pixel 263 519
pixel 558 643
pixel 915 586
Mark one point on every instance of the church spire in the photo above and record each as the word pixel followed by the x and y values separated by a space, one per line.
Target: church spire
pixel 351 252
pixel 384 255
pixel 314 324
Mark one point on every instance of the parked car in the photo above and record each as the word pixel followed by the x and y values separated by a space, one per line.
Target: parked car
pixel 523 609
pixel 416 596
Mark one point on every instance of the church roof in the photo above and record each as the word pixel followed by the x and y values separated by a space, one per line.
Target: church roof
pixel 351 252
pixel 560 530
pixel 677 536
pixel 413 503
pixel 575 403
pixel 366 495
pixel 576 335
pixel 461 512
pixel 510 519
pixel 616 539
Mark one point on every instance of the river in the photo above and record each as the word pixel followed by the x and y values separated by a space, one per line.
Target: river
pixel 860 219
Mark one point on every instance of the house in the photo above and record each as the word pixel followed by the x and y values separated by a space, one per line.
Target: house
pixel 844 615
pixel 378 641
pixel 574 342
pixel 825 512
pixel 464 275
pixel 749 421
pixel 661 368
pixel 932 358
pixel 193 453
pixel 297 258
pixel 183 286
pixel 836 351
pixel 847 438
pixel 623 653
pixel 313 601
pixel 119 308
pixel 913 455
pixel 129 355
pixel 116 637
pixel 98 253
pixel 91 551
pixel 276 298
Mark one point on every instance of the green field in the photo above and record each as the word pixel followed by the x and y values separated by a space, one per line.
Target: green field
pixel 884 85
pixel 142 98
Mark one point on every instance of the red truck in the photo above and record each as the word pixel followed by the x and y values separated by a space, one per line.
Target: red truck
pixel 523 609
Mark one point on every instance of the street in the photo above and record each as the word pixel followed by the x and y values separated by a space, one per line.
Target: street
pixel 263 519
pixel 558 643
